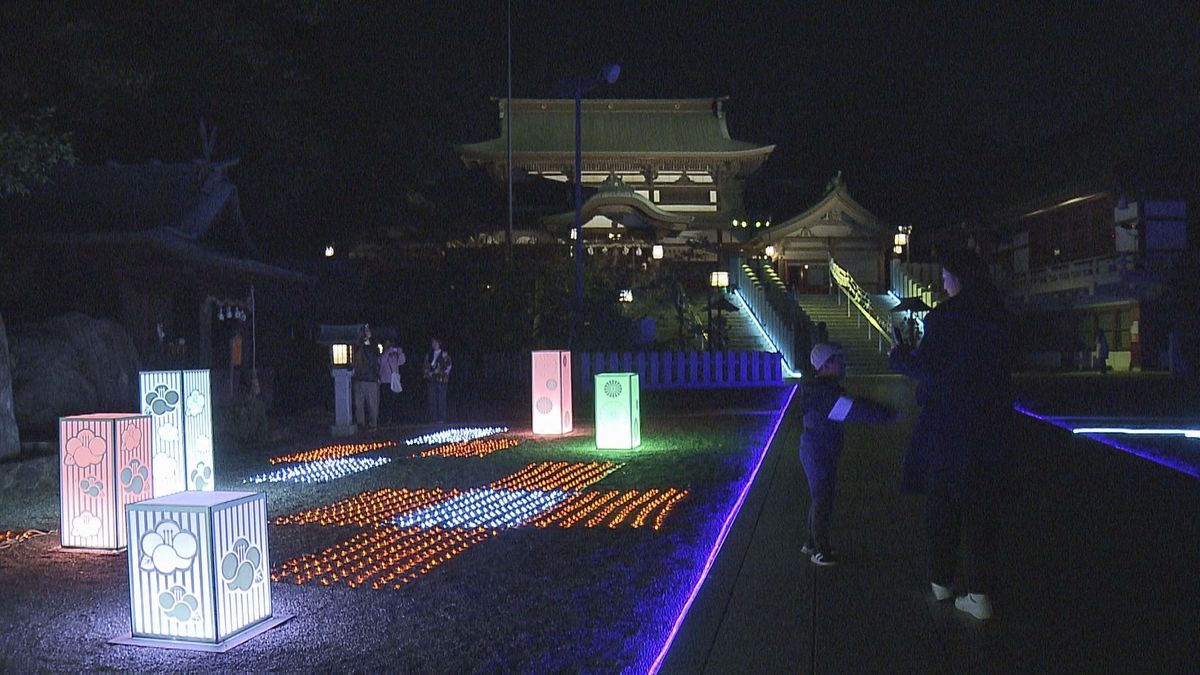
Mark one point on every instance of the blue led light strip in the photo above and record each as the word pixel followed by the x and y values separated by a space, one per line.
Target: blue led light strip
pixel 787 370
pixel 725 527
pixel 1169 462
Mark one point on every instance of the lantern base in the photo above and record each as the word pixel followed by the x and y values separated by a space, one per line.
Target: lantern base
pixel 214 648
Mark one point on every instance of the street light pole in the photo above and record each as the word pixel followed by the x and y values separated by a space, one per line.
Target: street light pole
pixel 582 85
pixel 577 324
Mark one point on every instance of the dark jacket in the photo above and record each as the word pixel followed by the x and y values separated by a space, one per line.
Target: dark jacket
pixel 366 363
pixel 826 407
pixel 962 439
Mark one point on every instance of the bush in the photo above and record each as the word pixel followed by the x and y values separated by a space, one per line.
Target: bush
pixel 242 421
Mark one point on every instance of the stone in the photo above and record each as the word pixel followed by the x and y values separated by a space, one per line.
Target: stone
pixel 10 439
pixel 68 365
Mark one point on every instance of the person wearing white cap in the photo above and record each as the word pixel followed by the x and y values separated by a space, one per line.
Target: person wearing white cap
pixel 826 406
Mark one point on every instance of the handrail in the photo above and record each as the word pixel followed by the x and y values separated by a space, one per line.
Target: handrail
pixel 859 298
pixel 790 331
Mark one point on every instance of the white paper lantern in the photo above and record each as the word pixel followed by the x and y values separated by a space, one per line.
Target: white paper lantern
pixel 180 402
pixel 104 464
pixel 199 568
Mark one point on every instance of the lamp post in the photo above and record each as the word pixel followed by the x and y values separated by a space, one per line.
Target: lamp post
pixel 715 280
pixel 900 241
pixel 582 85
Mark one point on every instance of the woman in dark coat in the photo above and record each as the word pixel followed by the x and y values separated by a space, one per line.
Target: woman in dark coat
pixel 961 452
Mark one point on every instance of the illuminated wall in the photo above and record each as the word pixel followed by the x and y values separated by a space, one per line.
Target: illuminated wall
pixel 552 408
pixel 618 411
pixel 181 404
pixel 198 565
pixel 104 464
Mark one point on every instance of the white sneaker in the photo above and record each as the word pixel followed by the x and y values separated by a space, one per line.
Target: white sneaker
pixel 941 592
pixel 976 604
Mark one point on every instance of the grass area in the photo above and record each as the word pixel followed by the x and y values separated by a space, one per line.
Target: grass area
pixel 522 599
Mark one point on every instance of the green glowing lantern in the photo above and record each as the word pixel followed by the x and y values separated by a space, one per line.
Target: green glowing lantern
pixel 618 411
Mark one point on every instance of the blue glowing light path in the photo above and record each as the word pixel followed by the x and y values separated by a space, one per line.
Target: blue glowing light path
pixel 725 527
pixel 1101 435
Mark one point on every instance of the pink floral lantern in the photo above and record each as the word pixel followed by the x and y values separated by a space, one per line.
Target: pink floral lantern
pixel 104 465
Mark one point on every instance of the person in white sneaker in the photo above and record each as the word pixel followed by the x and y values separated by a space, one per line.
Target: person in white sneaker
pixel 961 455
pixel 826 406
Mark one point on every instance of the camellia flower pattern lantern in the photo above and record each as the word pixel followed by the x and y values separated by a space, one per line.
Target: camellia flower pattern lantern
pixel 552 408
pixel 180 403
pixel 199 569
pixel 104 464
pixel 618 411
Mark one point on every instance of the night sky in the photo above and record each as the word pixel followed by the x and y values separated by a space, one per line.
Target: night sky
pixel 344 115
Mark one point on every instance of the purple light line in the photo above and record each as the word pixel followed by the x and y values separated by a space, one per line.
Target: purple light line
pixel 1169 462
pixel 712 556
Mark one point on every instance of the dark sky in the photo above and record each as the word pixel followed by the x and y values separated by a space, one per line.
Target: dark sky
pixel 337 108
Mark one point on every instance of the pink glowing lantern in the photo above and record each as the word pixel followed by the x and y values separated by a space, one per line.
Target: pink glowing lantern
pixel 552 409
pixel 104 465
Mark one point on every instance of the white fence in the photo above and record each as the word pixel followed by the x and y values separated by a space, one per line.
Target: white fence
pixel 656 370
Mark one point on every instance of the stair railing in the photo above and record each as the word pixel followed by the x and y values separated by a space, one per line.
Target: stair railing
pixel 790 331
pixel 878 326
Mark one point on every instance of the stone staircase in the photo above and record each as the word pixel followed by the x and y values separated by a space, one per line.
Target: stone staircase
pixel 852 332
pixel 743 334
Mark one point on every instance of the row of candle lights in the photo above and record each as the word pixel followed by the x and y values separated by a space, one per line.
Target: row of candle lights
pixel 455 435
pixel 319 471
pixel 384 557
pixel 483 507
pixel 368 508
pixel 595 507
pixel 10 537
pixel 556 476
pixel 331 452
pixel 473 448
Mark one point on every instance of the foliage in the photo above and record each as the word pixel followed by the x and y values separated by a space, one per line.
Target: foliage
pixel 28 155
pixel 241 421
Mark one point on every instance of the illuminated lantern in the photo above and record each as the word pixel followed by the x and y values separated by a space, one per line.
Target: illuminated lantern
pixel 180 403
pixel 199 570
pixel 104 464
pixel 552 409
pixel 618 411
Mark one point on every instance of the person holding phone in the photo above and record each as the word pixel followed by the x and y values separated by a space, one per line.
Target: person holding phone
pixel 961 456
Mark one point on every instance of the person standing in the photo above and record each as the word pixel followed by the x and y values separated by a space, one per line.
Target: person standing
pixel 366 380
pixel 826 407
pixel 1101 351
pixel 390 384
pixel 961 454
pixel 437 377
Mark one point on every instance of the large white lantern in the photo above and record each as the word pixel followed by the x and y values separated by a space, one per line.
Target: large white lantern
pixel 552 408
pixel 199 569
pixel 180 402
pixel 104 464
pixel 618 411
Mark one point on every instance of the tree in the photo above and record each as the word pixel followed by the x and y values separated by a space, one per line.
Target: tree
pixel 28 155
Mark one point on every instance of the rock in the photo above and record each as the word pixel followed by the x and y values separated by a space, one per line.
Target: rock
pixel 10 439
pixel 69 365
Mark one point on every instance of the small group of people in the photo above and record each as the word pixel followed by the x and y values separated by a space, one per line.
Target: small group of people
pixel 961 452
pixel 378 385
